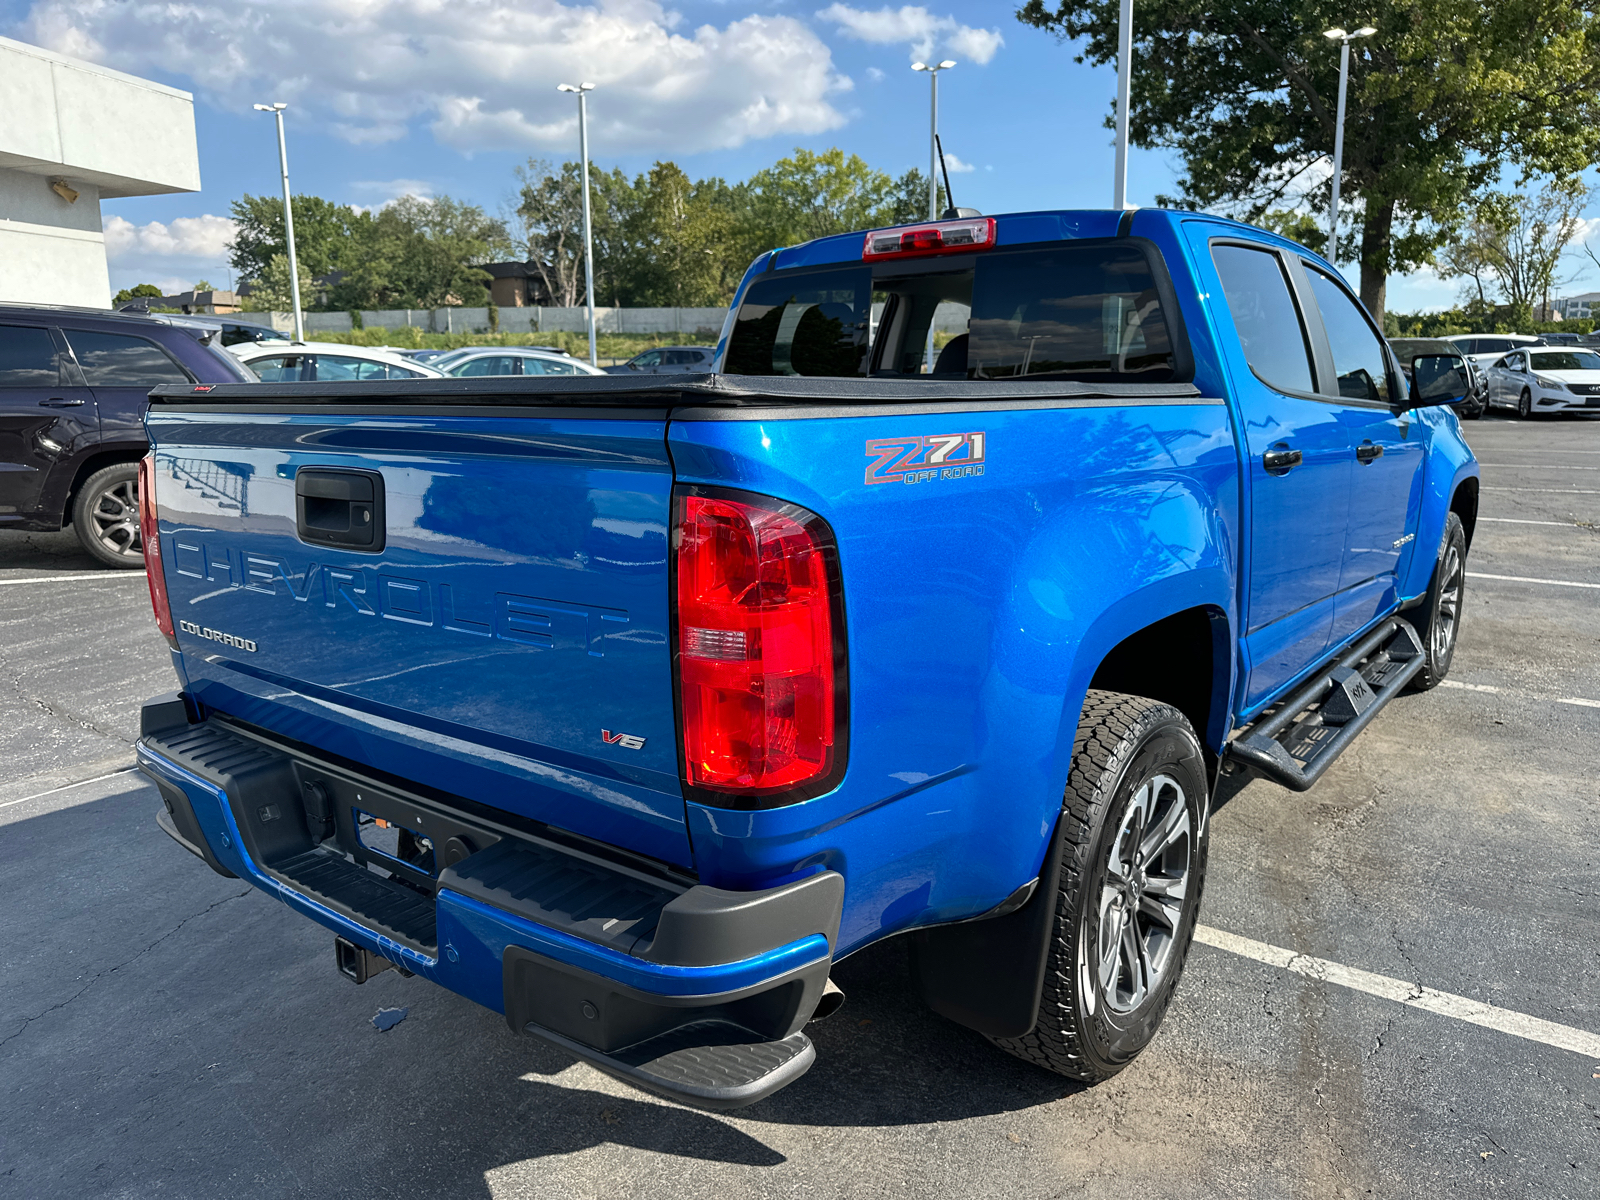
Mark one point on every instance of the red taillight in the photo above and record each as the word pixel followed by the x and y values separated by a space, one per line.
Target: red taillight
pixel 938 237
pixel 151 544
pixel 760 653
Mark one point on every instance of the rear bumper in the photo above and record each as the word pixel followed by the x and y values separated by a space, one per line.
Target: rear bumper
pixel 568 943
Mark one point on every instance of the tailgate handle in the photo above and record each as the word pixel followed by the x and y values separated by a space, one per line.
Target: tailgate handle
pixel 339 508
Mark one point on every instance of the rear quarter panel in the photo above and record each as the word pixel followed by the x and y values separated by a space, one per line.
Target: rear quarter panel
pixel 977 609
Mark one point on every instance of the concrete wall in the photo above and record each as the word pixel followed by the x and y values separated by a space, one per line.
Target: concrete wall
pixel 51 252
pixel 103 134
pixel 702 321
pixel 64 117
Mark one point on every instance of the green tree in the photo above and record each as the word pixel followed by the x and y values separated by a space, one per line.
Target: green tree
pixel 1512 245
pixel 270 290
pixel 322 232
pixel 139 291
pixel 1443 97
pixel 417 253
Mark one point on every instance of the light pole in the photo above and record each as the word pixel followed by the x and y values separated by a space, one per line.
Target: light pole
pixel 276 110
pixel 583 90
pixel 933 133
pixel 1344 39
pixel 1119 173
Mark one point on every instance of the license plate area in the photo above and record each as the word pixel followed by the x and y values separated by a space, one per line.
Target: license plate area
pixel 388 833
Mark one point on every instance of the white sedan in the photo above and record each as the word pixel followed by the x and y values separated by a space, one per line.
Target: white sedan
pixel 1540 380
pixel 320 362
pixel 476 361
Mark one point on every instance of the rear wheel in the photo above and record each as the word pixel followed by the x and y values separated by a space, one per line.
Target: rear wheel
pixel 1133 861
pixel 1437 619
pixel 105 516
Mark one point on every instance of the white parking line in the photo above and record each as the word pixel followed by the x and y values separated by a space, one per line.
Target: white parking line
pixel 1537 466
pixel 1500 691
pixel 1514 521
pixel 69 786
pixel 1526 579
pixel 1548 491
pixel 91 576
pixel 1413 995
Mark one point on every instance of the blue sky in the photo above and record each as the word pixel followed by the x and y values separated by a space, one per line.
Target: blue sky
pixel 396 96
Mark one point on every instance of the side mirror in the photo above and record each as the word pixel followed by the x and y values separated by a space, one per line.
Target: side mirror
pixel 1439 379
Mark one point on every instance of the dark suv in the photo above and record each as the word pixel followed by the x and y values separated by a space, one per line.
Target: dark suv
pixel 73 388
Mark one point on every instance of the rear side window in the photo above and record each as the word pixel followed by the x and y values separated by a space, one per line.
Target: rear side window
pixel 1263 312
pixel 117 360
pixel 28 357
pixel 1358 359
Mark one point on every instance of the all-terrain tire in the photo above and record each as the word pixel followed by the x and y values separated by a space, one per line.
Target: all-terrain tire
pixel 1437 619
pixel 105 515
pixel 1125 747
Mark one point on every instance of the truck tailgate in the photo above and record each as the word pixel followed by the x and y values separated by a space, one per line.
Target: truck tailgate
pixel 507 644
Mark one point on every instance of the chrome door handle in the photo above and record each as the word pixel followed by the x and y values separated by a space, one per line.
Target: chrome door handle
pixel 60 402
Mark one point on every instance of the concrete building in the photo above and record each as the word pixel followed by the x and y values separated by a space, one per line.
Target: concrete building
pixel 73 134
pixel 1578 308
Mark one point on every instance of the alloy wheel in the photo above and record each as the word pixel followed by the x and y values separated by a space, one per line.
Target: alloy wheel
pixel 1449 614
pixel 115 513
pixel 1135 934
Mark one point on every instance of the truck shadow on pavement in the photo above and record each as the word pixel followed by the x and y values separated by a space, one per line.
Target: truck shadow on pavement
pixel 190 1030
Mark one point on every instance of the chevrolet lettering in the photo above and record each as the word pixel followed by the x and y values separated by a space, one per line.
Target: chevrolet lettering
pixel 985 711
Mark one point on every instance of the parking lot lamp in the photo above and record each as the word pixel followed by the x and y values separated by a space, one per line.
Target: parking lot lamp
pixel 933 133
pixel 582 90
pixel 1119 181
pixel 1344 39
pixel 276 109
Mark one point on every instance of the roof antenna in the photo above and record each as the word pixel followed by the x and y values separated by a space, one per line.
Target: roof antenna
pixel 951 211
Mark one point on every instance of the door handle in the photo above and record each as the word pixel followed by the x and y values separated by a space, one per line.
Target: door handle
pixel 1368 451
pixel 1280 460
pixel 60 402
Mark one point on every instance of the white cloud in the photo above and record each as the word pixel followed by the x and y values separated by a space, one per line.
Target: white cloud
pixel 388 191
pixel 917 28
pixel 482 74
pixel 955 165
pixel 876 75
pixel 174 256
pixel 203 239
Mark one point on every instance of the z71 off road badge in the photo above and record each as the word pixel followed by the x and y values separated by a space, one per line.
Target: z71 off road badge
pixel 921 459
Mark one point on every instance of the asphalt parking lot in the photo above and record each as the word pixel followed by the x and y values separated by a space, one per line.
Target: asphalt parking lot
pixel 167 1032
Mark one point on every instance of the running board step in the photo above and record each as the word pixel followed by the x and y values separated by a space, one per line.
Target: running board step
pixel 714 1065
pixel 1300 740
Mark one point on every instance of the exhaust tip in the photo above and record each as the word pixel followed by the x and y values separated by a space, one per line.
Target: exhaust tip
pixel 832 1000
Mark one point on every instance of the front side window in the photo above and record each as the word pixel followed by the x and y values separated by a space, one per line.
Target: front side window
pixel 650 358
pixel 1358 359
pixel 489 364
pixel 1264 314
pixel 282 368
pixel 28 357
pixel 117 360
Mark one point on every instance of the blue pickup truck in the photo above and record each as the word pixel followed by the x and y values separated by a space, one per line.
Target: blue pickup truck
pixel 628 706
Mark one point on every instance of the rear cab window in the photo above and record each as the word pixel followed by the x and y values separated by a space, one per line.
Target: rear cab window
pixel 1094 311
